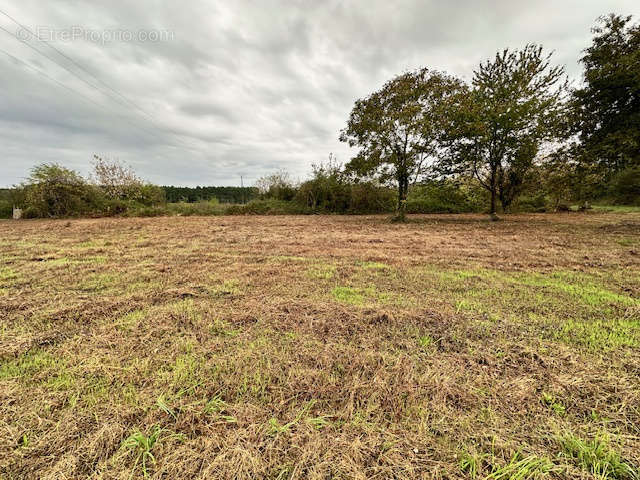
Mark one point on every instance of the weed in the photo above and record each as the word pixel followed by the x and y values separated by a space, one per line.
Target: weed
pixel 275 428
pixel 319 422
pixel 425 341
pixel 597 457
pixel 142 445
pixel 7 275
pixel 471 463
pixel 550 401
pixel 373 265
pixel 164 407
pixel 215 405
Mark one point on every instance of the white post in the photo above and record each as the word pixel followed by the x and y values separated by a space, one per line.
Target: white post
pixel 17 213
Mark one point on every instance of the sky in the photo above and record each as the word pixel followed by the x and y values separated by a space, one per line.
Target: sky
pixel 206 92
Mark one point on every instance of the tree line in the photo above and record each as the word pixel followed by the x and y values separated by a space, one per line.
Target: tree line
pixel 518 126
pixel 517 137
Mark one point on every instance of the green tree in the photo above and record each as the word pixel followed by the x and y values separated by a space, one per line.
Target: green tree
pixel 608 105
pixel 398 128
pixel 55 191
pixel 277 185
pixel 516 105
pixel 327 190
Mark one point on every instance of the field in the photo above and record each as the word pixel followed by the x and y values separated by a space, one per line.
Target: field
pixel 321 347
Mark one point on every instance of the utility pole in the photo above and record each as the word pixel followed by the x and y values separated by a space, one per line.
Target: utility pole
pixel 242 189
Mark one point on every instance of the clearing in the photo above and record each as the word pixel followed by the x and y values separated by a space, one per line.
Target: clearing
pixel 321 347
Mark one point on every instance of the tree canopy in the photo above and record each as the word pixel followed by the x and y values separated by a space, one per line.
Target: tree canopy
pixel 608 113
pixel 398 127
pixel 515 106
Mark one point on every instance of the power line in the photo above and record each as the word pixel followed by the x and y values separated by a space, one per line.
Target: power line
pixel 76 75
pixel 51 59
pixel 89 99
pixel 76 63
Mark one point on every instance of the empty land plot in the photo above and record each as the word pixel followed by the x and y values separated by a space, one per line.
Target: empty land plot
pixel 321 347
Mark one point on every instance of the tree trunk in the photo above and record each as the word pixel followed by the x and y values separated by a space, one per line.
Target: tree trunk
pixel 403 187
pixel 492 213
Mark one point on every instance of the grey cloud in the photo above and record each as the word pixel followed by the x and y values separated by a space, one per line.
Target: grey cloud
pixel 246 87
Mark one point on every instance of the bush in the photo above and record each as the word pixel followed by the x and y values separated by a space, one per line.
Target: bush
pixel 55 191
pixel 204 208
pixel 625 187
pixel 147 211
pixel 446 196
pixel 278 186
pixel 327 191
pixel 368 197
pixel 269 207
pixel 531 204
pixel 6 209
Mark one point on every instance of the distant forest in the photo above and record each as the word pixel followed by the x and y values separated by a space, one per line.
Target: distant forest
pixel 222 194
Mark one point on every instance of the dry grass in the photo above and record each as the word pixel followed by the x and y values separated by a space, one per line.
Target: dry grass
pixel 321 347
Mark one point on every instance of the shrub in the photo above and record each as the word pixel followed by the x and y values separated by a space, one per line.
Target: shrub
pixel 6 209
pixel 56 191
pixel 271 207
pixel 446 196
pixel 278 186
pixel 327 191
pixel 369 197
pixel 210 207
pixel 531 204
pixel 625 187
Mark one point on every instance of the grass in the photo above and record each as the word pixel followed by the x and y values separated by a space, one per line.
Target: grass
pixel 320 347
pixel 142 445
pixel 597 457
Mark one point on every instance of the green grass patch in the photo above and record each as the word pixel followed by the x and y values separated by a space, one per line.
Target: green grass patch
pixel 97 282
pixel 7 276
pixel 28 364
pixel 597 457
pixel 373 265
pixel 321 272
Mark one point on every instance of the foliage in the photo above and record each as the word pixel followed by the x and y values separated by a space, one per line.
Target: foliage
pixel 6 209
pixel 557 178
pixel 327 191
pixel 119 182
pixel 222 194
pixel 608 106
pixel 446 196
pixel 516 106
pixel 332 191
pixel 397 129
pixel 278 186
pixel 142 445
pixel 55 191
pixel 371 197
pixel 624 188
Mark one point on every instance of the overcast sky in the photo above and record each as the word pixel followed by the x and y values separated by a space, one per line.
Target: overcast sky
pixel 202 92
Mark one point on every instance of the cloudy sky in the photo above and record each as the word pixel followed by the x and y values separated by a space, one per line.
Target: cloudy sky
pixel 202 92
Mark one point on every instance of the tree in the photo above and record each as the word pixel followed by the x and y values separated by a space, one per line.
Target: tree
pixel 277 185
pixel 558 178
pixel 327 190
pixel 398 127
pixel 116 179
pixel 516 104
pixel 55 191
pixel 608 105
